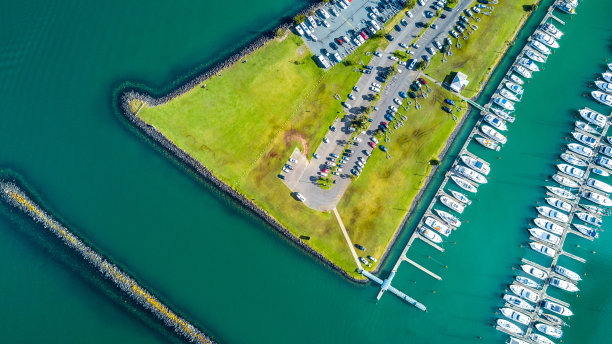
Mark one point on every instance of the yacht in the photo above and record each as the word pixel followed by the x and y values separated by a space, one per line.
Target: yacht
pixel 514 87
pixel 593 116
pixel 605 150
pixel 504 103
pixel 554 319
pixel 431 235
pixel 604 86
pixel 567 273
pixel 571 170
pixel 513 340
pixel 448 218
pixel 494 134
pixel 569 158
pixel 520 81
pixel 535 272
pixel 610 67
pixel 585 127
pixel 557 308
pixel 599 185
pixel 580 149
pixel 552 331
pixel 566 7
pixel 563 284
pixel 509 326
pixel 597 198
pixel 476 164
pixel 543 249
pixel 509 95
pixel 464 184
pixel 602 97
pixel 540 339
pixel 585 139
pixel 534 55
pixel 559 204
pixel 604 162
pixel 528 282
pixel 553 214
pixel 549 226
pixel 438 226
pixel 607 76
pixel 588 218
pixel 461 197
pixel 565 181
pixel 524 293
pixel 593 209
pixel 487 143
pixel 609 139
pixel 545 236
pixel 519 317
pixel 529 64
pixel 561 192
pixel 586 230
pixel 522 71
pixel 518 302
pixel 539 47
pixel 495 122
pixel 599 171
pixel 551 30
pixel 546 39
pixel 470 174
pixel 451 203
pixel 502 114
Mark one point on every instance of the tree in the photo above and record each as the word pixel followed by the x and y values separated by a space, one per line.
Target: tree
pixel 410 4
pixel 299 18
pixel 279 32
pixel 421 65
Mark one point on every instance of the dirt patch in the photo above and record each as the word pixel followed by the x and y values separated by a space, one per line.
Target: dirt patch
pixel 294 135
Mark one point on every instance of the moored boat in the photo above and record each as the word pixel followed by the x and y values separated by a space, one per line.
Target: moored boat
pixel 515 78
pixel 599 171
pixel 604 162
pixel 448 218
pixel 580 149
pixel 509 326
pixel 571 170
pixel 476 164
pixel 494 134
pixel 461 197
pixel 566 7
pixel 539 47
pixel 546 39
pixel 543 249
pixel 563 271
pixel 586 230
pixel 604 86
pixel 464 184
pixel 559 204
pixel 597 198
pixel 540 339
pixel 553 214
pixel 561 192
pixel 552 331
pixel 565 181
pixel 588 218
pixel 552 30
pixel 554 319
pixel 593 209
pixel 438 226
pixel 452 204
pixel 522 71
pixel 557 308
pixel 470 174
pixel 586 127
pixel 528 282
pixel 529 64
pixel 593 116
pixel 518 302
pixel 509 95
pixel 487 143
pixel 607 76
pixel 495 122
pixel 563 285
pixel 534 55
pixel 503 114
pixel 431 235
pixel 572 159
pixel 599 185
pixel 535 272
pixel 525 293
pixel 519 317
pixel 602 97
pixel 585 139
pixel 545 236
pixel 504 103
pixel 513 87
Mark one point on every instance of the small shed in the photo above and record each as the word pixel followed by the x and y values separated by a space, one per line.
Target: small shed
pixel 458 83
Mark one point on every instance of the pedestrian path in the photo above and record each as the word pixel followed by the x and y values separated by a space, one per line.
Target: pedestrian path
pixel 348 239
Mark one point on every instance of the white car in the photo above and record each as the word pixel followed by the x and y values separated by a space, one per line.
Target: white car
pixel 372 16
pixel 285 170
pixel 300 197
pixel 356 89
pixel 292 160
pixel 437 45
pixel 403 63
pixel 373 139
pixel 393 108
pixel 454 33
pixel 403 45
pixel 325 23
pixel 357 139
pixel 374 89
pixel 367 152
pixel 397 101
pixel 375 85
pixel 476 9
pixel 346 105
pixel 393 58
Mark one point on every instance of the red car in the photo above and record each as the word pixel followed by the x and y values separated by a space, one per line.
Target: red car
pixel 372 144
pixel 325 170
pixel 339 41
pixel 364 35
pixel 422 81
pixel 385 124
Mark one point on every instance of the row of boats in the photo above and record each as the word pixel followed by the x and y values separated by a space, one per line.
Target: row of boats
pixel 604 92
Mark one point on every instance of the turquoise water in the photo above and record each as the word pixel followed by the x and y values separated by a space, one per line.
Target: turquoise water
pixel 217 265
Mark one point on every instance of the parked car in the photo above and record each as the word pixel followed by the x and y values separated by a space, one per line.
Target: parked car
pixel 416 46
pixel 397 101
pixel 376 53
pixel 332 128
pixel 454 33
pixel 390 38
pixel 449 101
pixel 403 45
pixel 351 97
pixel 398 28
pixel 388 117
pixel 334 155
pixel 447 109
pixel 291 160
pixel 403 94
pixel 412 65
pixel 356 89
pixel 372 144
pixel 373 139
pixel 422 81
pixel 367 152
pixel 356 173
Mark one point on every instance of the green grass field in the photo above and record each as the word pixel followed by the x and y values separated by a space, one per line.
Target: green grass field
pixel 484 47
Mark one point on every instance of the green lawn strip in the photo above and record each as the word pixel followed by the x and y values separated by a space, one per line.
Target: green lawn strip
pixel 484 47
pixel 376 202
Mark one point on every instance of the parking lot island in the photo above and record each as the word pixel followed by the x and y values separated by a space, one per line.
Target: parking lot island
pixel 291 140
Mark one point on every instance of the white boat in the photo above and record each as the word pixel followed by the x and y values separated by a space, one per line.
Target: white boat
pixel 540 47
pixel 535 272
pixel 552 30
pixel 502 114
pixel 580 149
pixel 597 198
pixel 561 192
pixel 593 209
pixel 569 158
pixel 509 326
pixel 549 330
pixel 470 174
pixel 448 218
pixel 599 171
pixel 571 170
pixel 586 230
pixel 528 282
pixel 609 139
pixel 519 317
pixel 559 204
pixel 451 203
pixel 494 134
pixel 605 150
pixel 593 117
pixel 564 285
pixel 553 214
pixel 438 226
pixel 476 164
pixel 431 235
pixel 567 273
pixel 610 67
pixel 464 184
pixel 518 302
pixel 599 185
pixel 545 236
pixel 557 308
pixel 540 339
pixel 554 319
pixel 522 71
pixel 584 139
pixel 534 55
pixel 509 95
pixel 565 181
pixel 549 226
pixel 546 39
pixel 602 97
pixel 461 197
pixel 503 102
pixel 513 87
pixel 495 122
pixel 524 293
pixel 566 7
pixel 543 249
pixel 585 127
pixel 513 340
pixel 588 218
pixel 607 76
pixel 529 64
pixel 604 86
pixel 515 78
pixel 487 143
pixel 604 162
